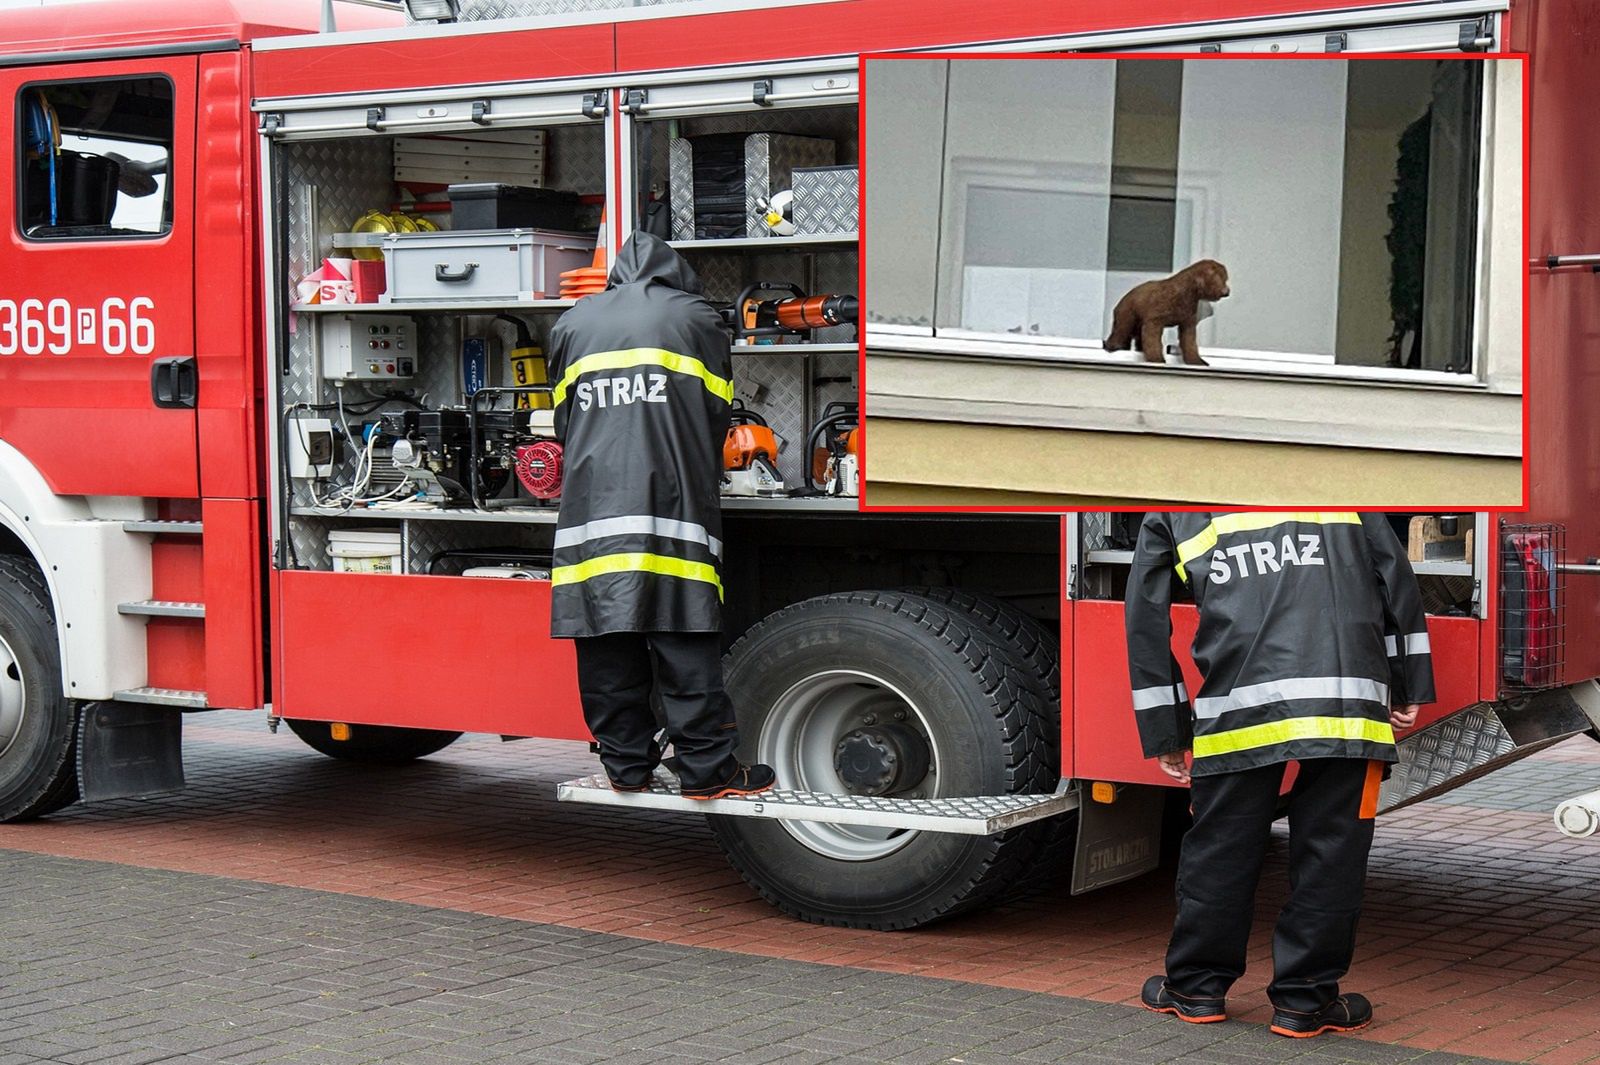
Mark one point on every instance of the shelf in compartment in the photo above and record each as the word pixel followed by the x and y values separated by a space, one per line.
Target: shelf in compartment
pixel 455 306
pixel 547 515
pixel 795 349
pixel 1430 568
pixel 765 243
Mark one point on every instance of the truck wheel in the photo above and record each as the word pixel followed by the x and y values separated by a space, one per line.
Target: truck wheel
pixel 1040 651
pixel 373 744
pixel 38 724
pixel 917 700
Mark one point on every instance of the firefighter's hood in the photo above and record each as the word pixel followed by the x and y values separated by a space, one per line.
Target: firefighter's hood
pixel 646 258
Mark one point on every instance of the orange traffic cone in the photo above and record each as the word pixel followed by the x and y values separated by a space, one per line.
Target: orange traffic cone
pixel 587 280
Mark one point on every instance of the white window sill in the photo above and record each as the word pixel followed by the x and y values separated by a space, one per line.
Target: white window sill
pixel 917 340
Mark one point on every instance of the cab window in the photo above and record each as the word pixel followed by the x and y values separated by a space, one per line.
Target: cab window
pixel 96 158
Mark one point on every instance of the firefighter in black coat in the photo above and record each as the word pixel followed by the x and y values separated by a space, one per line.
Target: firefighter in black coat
pixel 1313 646
pixel 642 388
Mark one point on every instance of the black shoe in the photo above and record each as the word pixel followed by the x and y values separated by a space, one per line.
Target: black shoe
pixel 633 788
pixel 746 780
pixel 1159 998
pixel 1344 1014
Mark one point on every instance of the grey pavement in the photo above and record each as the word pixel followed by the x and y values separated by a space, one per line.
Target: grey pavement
pixel 104 964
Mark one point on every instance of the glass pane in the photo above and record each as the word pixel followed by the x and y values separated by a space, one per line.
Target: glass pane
pixel 97 158
pixel 1027 171
pixel 1261 167
pixel 902 187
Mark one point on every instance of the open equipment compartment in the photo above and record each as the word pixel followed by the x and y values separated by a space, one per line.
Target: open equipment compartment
pixel 390 413
pixel 765 137
pixel 1448 551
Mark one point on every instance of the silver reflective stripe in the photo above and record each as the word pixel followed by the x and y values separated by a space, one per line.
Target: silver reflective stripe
pixel 637 524
pixel 1277 691
pixel 1152 698
pixel 1416 644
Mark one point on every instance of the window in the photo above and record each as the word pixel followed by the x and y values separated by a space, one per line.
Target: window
pixel 96 158
pixel 1341 196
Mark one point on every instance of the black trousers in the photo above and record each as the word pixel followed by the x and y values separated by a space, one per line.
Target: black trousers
pixel 615 676
pixel 1330 833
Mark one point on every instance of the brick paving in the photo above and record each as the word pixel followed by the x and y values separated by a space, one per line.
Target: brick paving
pixel 116 965
pixel 1482 933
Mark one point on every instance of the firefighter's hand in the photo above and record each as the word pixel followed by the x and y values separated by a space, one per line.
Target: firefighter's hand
pixel 1175 765
pixel 1404 717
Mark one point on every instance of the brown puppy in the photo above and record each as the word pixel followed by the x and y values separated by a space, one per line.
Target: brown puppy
pixel 1147 310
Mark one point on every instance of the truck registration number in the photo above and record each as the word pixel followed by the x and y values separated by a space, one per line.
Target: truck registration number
pixel 113 327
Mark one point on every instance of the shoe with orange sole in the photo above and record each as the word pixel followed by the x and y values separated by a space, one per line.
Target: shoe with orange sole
pixel 747 780
pixel 1344 1014
pixel 1157 997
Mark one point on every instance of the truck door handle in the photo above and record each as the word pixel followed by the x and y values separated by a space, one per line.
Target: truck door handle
pixel 174 381
pixel 442 272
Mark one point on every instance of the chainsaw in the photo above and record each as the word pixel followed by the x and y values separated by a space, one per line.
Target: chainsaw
pixel 750 457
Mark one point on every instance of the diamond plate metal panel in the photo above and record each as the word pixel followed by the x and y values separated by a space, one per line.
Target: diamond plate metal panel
pixel 680 182
pixel 977 815
pixel 1094 530
pixel 826 199
pixel 1445 752
pixel 309 539
pixel 426 537
pixel 769 162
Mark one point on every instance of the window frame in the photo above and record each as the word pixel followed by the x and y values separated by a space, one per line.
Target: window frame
pixel 170 206
pixel 1086 350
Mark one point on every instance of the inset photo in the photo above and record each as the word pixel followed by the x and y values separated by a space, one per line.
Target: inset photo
pixel 1194 280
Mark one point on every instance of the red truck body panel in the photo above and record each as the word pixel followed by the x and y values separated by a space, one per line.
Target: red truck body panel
pixel 1563 315
pixel 1105 742
pixel 434 652
pixel 49 32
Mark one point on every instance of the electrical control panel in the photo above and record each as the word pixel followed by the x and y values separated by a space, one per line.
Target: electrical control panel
pixel 367 347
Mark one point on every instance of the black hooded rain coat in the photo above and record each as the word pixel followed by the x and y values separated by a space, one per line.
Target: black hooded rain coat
pixel 1311 627
pixel 643 386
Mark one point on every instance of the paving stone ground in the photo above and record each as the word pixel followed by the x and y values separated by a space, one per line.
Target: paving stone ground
pixel 104 964
pixel 1481 934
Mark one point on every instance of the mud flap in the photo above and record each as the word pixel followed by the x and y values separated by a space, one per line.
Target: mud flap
pixel 129 751
pixel 1118 840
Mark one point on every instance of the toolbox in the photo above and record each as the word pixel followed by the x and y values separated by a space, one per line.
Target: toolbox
pixel 826 199
pixel 493 264
pixel 492 205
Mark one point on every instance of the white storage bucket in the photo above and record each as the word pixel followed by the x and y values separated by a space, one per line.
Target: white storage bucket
pixel 365 551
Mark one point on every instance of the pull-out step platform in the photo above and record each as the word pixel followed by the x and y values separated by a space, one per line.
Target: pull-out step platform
pixel 165 527
pixel 978 815
pixel 163 697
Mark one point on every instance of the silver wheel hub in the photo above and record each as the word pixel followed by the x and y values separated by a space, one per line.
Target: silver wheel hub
pixel 13 696
pixel 853 733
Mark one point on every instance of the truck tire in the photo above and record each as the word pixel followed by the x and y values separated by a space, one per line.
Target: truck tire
pixel 1040 651
pixel 373 744
pixel 38 723
pixel 840 665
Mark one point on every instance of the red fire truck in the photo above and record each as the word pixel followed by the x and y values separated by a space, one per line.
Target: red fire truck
pixel 236 471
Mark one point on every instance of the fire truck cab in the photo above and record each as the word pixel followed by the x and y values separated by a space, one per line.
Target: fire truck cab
pixel 266 400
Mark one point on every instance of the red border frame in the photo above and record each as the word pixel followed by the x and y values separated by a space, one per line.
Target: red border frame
pixel 861 280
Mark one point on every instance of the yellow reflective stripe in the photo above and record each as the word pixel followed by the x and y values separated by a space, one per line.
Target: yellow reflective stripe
pixel 1295 728
pixel 637 562
pixel 628 358
pixel 1249 521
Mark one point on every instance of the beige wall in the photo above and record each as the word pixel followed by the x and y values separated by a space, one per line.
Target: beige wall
pixel 936 463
